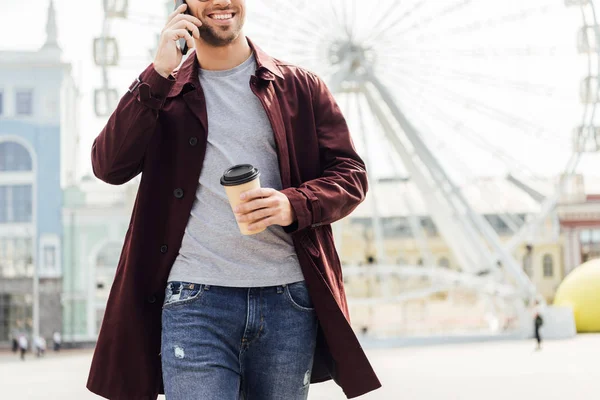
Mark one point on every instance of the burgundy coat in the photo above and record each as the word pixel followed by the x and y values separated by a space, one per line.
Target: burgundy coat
pixel 159 129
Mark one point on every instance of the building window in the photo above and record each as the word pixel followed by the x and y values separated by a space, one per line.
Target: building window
pixel 14 157
pixel 49 257
pixel 429 226
pixel 444 262
pixel 590 244
pixel 15 313
pixel 548 266
pixel 528 264
pixel 16 204
pixel 24 103
pixel 16 257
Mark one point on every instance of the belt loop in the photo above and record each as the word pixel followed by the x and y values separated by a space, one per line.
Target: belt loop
pixel 206 287
pixel 280 289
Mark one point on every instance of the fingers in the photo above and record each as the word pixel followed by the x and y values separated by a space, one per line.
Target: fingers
pixel 265 223
pixel 182 33
pixel 255 204
pixel 256 215
pixel 257 193
pixel 183 17
pixel 177 11
pixel 187 25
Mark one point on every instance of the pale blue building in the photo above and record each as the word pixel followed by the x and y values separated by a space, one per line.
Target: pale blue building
pixel 37 123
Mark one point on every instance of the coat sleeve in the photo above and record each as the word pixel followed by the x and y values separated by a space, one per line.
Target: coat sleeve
pixel 342 185
pixel 118 152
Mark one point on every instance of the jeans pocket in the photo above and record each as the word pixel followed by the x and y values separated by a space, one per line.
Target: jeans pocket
pixel 180 293
pixel 298 294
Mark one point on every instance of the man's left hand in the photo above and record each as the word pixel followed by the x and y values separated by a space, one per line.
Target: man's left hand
pixel 264 207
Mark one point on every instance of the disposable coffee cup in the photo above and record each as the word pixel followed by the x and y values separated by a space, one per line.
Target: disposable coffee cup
pixel 237 180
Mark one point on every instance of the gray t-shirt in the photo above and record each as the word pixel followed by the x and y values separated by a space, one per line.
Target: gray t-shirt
pixel 213 251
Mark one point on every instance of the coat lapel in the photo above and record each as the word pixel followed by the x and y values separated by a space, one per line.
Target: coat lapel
pixel 194 100
pixel 273 109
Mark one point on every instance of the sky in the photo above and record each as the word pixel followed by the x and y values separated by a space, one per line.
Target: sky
pixel 457 90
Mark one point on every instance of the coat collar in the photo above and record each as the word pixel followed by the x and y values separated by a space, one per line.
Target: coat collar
pixel 187 74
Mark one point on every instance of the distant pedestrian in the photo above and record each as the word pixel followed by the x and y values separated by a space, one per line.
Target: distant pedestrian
pixel 23 345
pixel 538 321
pixel 57 339
pixel 15 340
pixel 40 346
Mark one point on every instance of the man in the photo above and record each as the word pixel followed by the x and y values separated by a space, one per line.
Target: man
pixel 23 345
pixel 57 339
pixel 538 322
pixel 40 346
pixel 257 317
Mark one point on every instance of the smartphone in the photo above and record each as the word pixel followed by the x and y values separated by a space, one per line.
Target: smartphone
pixel 182 42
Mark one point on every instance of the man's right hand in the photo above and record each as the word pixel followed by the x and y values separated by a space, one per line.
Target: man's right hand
pixel 168 56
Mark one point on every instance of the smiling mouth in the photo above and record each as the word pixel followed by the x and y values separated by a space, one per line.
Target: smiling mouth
pixel 222 16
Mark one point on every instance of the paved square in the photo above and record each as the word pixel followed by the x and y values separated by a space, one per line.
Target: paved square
pixel 563 370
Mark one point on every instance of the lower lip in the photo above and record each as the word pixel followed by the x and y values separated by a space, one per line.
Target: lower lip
pixel 223 21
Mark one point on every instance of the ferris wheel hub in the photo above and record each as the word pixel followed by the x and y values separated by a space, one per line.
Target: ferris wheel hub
pixel 352 60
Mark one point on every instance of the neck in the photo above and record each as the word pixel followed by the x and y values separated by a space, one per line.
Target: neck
pixel 225 57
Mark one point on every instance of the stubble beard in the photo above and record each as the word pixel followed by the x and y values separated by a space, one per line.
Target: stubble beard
pixel 213 37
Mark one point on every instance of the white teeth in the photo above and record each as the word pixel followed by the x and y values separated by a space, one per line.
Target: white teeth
pixel 222 16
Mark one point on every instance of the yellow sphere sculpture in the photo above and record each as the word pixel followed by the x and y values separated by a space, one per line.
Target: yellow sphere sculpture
pixel 581 291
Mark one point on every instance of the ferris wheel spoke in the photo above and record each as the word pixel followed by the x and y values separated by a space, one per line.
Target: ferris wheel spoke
pixel 472 135
pixel 509 120
pixel 386 29
pixel 497 113
pixel 393 32
pixel 474 51
pixel 302 16
pixel 476 139
pixel 346 21
pixel 479 25
pixel 476 79
pixel 395 6
pixel 297 35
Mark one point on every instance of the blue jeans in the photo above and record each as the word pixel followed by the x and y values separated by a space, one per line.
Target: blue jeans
pixel 221 343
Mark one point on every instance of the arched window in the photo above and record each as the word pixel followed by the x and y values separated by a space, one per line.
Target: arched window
pixel 444 262
pixel 14 157
pixel 548 266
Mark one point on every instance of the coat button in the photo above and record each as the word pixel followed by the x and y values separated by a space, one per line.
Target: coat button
pixel 163 248
pixel 151 299
pixel 178 193
pixel 193 141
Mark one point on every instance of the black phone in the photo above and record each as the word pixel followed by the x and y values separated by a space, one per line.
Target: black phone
pixel 182 42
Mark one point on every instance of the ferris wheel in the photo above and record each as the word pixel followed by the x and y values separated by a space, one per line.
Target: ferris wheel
pixel 440 93
pixel 127 42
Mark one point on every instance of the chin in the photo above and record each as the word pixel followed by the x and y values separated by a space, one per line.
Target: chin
pixel 222 38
